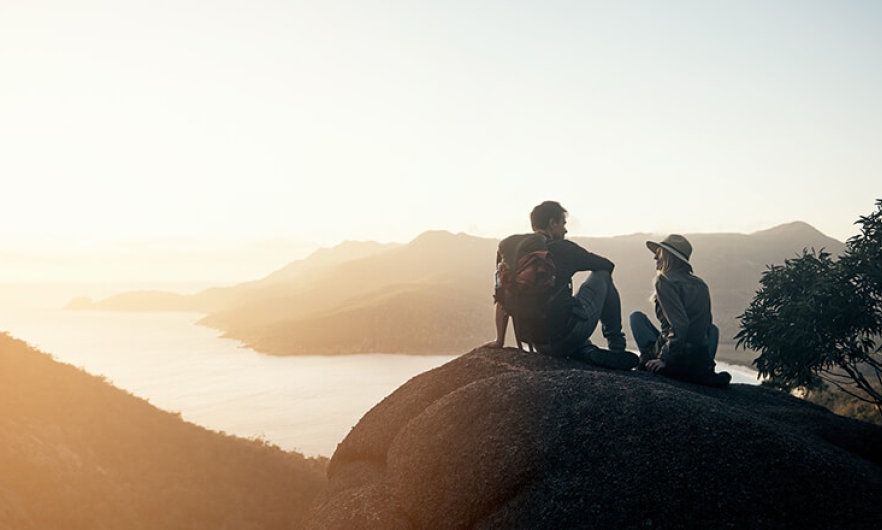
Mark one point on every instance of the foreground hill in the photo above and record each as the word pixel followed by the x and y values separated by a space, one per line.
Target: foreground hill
pixel 506 439
pixel 433 295
pixel 78 453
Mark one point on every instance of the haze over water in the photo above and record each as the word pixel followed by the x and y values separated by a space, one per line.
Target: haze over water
pixel 302 403
pixel 305 403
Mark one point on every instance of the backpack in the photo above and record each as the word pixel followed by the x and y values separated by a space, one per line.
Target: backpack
pixel 525 278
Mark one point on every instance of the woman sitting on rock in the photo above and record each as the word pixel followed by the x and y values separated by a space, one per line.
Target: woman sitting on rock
pixel 685 347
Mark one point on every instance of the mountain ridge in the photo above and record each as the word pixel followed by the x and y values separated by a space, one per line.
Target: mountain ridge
pixel 311 302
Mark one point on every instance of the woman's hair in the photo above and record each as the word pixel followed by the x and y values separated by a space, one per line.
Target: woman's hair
pixel 671 263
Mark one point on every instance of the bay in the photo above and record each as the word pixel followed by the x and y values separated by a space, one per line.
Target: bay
pixel 306 403
pixel 303 403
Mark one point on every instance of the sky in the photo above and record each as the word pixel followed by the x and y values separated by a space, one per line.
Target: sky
pixel 219 140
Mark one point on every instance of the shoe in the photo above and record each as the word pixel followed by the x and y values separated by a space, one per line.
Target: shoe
pixel 720 380
pixel 617 360
pixel 616 342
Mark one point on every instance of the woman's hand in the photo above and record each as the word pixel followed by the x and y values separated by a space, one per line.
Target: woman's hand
pixel 655 365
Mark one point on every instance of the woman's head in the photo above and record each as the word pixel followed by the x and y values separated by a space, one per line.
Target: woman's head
pixel 671 254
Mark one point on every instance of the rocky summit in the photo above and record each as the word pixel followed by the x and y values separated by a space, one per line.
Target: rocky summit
pixel 503 439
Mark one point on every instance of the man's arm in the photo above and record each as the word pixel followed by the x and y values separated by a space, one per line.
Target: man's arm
pixel 501 328
pixel 578 258
pixel 501 317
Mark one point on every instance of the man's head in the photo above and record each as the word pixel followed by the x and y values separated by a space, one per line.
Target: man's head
pixel 549 218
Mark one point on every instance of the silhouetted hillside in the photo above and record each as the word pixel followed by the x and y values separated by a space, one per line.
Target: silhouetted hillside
pixel 434 294
pixel 78 453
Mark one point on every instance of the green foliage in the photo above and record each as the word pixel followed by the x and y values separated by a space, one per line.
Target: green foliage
pixel 818 317
pixel 844 404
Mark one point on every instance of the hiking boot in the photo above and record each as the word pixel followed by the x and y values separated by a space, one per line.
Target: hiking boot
pixel 616 342
pixel 719 380
pixel 617 360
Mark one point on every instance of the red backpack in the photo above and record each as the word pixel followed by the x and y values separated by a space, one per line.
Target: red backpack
pixel 525 284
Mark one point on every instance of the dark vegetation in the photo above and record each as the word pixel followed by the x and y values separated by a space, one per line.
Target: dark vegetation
pixel 819 318
pixel 78 453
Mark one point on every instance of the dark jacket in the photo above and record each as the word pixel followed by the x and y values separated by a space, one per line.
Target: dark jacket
pixel 569 258
pixel 683 307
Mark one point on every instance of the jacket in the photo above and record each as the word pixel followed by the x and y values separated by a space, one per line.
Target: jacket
pixel 683 308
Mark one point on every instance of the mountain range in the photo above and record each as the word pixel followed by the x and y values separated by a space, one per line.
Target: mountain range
pixel 433 295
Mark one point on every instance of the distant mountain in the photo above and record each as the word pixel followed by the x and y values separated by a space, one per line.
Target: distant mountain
pixel 731 264
pixel 78 453
pixel 305 271
pixel 328 257
pixel 434 294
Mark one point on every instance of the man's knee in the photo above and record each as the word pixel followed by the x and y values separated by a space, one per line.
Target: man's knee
pixel 597 283
pixel 602 275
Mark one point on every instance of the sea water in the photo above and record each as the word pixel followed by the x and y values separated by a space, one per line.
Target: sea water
pixel 303 403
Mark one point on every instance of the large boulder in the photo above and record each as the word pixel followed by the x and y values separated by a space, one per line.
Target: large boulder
pixel 502 439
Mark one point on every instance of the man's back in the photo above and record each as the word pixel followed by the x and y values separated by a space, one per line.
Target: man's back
pixel 567 321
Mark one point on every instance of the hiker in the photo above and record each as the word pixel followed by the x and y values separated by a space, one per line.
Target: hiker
pixel 562 327
pixel 685 347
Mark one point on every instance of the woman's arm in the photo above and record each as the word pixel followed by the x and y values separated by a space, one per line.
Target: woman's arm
pixel 674 347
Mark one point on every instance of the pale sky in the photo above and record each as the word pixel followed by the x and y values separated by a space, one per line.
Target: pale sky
pixel 242 134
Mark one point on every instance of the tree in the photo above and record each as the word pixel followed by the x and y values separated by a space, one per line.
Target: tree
pixel 816 318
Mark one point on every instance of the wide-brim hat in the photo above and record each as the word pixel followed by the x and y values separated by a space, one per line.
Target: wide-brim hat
pixel 676 244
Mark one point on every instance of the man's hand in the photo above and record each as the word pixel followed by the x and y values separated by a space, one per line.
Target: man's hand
pixel 495 344
pixel 655 365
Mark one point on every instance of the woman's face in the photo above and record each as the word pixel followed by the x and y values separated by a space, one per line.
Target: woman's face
pixel 658 258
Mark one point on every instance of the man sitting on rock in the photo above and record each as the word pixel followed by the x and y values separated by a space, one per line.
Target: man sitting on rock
pixel 555 322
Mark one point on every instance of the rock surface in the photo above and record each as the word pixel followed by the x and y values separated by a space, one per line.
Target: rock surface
pixel 501 439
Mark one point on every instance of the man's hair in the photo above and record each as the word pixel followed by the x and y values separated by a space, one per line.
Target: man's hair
pixel 545 212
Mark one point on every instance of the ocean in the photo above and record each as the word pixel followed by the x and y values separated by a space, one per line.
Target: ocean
pixel 304 403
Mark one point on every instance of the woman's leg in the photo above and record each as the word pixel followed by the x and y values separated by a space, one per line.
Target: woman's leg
pixel 645 335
